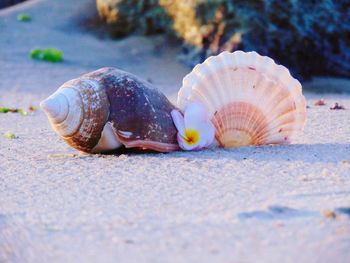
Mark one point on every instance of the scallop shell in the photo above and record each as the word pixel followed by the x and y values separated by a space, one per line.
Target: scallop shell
pixel 108 108
pixel 250 99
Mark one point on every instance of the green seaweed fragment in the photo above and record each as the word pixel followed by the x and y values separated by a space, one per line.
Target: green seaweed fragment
pixel 47 54
pixel 10 135
pixel 16 110
pixel 5 110
pixel 23 112
pixel 24 17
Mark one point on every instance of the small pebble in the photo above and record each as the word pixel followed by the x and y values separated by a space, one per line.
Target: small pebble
pixel 328 213
pixel 10 135
pixel 337 106
pixel 320 102
pixel 303 178
pixel 32 108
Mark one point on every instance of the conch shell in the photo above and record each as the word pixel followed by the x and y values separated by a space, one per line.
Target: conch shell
pixel 108 108
pixel 250 99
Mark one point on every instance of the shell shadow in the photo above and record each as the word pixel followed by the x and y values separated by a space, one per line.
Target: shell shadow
pixel 131 151
pixel 311 153
pixel 277 212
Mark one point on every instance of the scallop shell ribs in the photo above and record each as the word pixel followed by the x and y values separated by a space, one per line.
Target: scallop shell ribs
pixel 250 99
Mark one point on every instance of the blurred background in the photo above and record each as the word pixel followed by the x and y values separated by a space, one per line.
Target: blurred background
pixel 311 38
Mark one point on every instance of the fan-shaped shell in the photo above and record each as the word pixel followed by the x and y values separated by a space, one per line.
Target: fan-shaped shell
pixel 250 99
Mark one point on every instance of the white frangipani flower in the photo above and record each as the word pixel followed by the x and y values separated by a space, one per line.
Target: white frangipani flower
pixel 195 130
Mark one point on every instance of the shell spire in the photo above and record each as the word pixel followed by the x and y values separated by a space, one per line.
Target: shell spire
pixel 250 99
pixel 78 111
pixel 56 107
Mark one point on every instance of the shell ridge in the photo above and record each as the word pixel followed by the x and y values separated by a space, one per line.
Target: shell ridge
pixel 265 97
pixel 213 68
pixel 71 123
pixel 260 102
pixel 276 124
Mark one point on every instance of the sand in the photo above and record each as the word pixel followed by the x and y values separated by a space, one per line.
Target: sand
pixel 252 204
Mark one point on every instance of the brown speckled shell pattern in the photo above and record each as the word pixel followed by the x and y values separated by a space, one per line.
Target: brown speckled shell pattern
pixel 139 113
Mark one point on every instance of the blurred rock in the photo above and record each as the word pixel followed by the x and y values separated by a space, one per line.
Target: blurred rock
pixel 128 16
pixel 311 38
pixel 6 3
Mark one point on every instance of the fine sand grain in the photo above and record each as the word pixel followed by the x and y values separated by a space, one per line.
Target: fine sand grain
pixel 252 204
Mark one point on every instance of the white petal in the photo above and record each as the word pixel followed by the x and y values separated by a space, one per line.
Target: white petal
pixel 195 114
pixel 178 120
pixel 207 134
pixel 210 134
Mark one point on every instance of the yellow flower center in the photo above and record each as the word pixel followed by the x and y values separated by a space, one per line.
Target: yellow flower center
pixel 191 136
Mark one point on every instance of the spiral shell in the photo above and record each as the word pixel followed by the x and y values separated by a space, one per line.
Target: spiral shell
pixel 250 99
pixel 108 108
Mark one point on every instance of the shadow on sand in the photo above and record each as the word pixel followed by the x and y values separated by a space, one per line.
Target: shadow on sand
pixel 311 153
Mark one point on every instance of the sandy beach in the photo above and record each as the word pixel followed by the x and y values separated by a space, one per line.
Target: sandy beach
pixel 251 204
